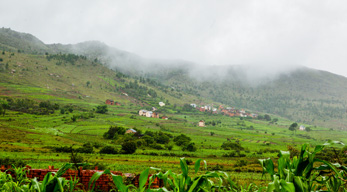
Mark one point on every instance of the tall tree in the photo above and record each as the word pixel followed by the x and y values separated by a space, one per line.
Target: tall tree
pixel 293 127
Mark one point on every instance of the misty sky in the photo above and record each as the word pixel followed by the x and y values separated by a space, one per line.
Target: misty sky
pixel 268 32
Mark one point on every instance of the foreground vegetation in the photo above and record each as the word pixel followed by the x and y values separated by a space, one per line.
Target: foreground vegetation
pixel 300 173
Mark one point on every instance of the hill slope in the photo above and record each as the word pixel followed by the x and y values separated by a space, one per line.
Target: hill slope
pixel 304 95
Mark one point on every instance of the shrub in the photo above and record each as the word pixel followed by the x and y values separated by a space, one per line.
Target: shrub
pixel 231 146
pixel 108 150
pixel 156 146
pixel 182 140
pixel 86 148
pixel 101 109
pixel 129 147
pixel 114 130
pixel 190 147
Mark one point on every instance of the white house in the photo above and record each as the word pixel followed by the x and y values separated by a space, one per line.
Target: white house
pixel 302 128
pixel 193 105
pixel 161 104
pixel 201 123
pixel 142 112
pixel 149 114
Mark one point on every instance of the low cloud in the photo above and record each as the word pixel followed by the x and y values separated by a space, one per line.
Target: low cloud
pixel 269 34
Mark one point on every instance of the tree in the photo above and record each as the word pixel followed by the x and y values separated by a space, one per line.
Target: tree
pixel 182 140
pixel 148 139
pixel 113 131
pixel 3 106
pixel 129 147
pixel 101 109
pixel 88 83
pixel 267 117
pixel 293 127
pixel 190 147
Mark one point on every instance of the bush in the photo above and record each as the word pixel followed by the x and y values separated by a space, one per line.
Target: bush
pixel 108 150
pixel 112 131
pixel 101 109
pixel 156 146
pixel 182 140
pixel 148 139
pixel 129 147
pixel 86 148
pixel 190 147
pixel 231 146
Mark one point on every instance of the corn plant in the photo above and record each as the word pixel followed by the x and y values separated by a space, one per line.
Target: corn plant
pixel 118 181
pixel 210 181
pixel 52 182
pixel 299 173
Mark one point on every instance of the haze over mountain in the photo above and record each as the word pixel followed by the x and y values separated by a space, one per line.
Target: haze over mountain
pixel 299 93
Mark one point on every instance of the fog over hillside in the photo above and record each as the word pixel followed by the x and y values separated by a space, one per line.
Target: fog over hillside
pixel 272 34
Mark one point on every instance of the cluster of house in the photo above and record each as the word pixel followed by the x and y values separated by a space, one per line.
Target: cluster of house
pixel 229 111
pixel 152 114
pixel 111 102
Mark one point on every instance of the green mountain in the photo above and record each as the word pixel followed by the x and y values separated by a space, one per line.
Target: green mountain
pixel 301 94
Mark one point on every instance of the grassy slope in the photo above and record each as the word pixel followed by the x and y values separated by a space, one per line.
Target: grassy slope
pixel 27 136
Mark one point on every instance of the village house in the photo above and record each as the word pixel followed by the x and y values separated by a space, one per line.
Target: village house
pixel 193 105
pixel 302 128
pixel 243 115
pixel 149 114
pixel 118 104
pixel 133 131
pixel 165 117
pixel 142 112
pixel 202 109
pixel 214 111
pixel 161 104
pixel 231 114
pixel 154 109
pixel 155 115
pixel 109 102
pixel 201 123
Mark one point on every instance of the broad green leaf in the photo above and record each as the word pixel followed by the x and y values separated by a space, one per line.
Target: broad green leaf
pixel 267 166
pixel 118 182
pixel 287 186
pixel 192 187
pixel 299 184
pixel 197 165
pixel 143 179
pixel 184 167
pixel 95 177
